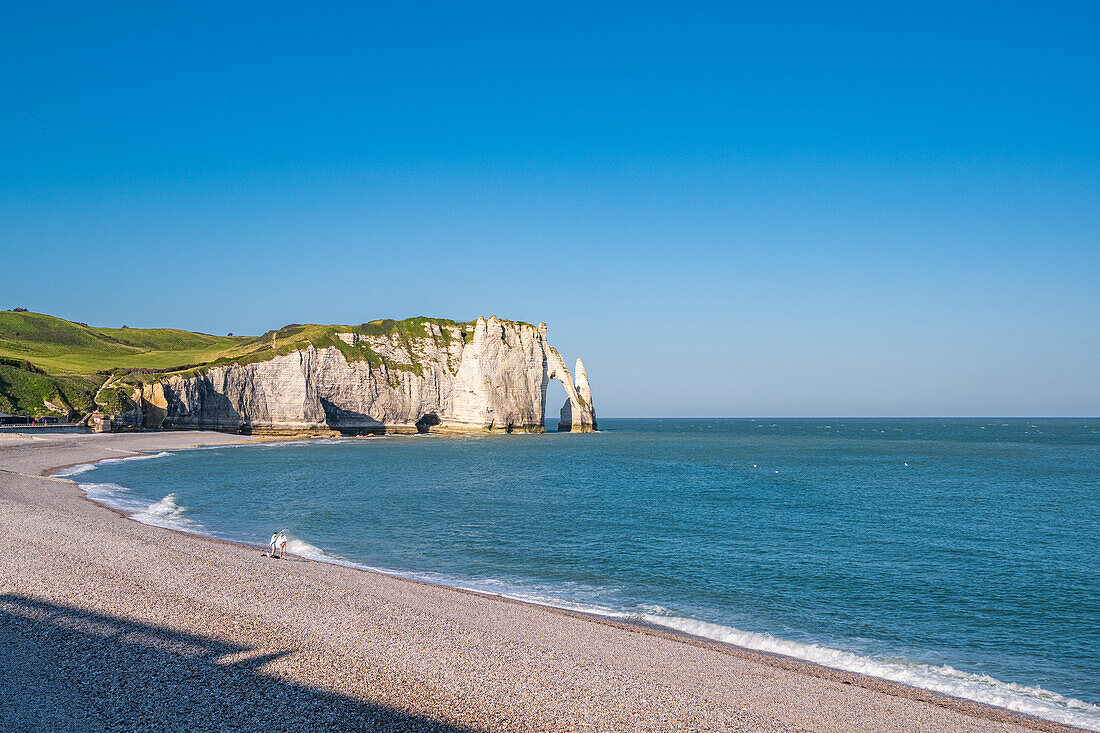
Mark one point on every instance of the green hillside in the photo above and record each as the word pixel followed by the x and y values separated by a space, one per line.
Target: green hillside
pixel 64 347
pixel 44 359
pixel 25 390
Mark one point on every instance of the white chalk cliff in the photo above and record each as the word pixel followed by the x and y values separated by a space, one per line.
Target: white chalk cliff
pixel 489 375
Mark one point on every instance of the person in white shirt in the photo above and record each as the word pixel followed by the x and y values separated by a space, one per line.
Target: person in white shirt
pixel 282 546
pixel 274 542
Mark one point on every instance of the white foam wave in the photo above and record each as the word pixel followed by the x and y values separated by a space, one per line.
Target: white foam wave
pixel 553 602
pixel 653 608
pixel 1028 699
pixel 74 470
pixel 113 495
pixel 142 457
pixel 301 548
pixel 85 467
pixel 166 513
pixel 163 513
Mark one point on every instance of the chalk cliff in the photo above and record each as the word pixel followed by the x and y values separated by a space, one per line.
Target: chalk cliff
pixel 420 374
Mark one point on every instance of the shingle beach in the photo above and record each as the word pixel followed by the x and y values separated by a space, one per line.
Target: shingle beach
pixel 108 624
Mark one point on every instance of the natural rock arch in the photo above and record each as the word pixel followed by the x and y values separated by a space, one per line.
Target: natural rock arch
pixel 577 414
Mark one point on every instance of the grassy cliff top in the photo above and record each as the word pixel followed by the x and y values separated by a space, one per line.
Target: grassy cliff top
pixel 48 359
pixel 301 335
pixel 65 347
pixel 58 346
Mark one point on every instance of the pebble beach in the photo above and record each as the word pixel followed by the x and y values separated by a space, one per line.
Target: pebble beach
pixel 109 624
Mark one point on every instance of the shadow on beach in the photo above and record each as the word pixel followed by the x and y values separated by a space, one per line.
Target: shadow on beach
pixel 64 669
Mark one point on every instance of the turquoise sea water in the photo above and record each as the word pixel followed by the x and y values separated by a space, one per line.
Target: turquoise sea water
pixel 955 555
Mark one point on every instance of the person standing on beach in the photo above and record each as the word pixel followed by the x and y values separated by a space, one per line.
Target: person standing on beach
pixel 282 546
pixel 274 542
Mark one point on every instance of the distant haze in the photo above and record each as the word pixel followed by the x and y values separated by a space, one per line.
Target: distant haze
pixel 780 211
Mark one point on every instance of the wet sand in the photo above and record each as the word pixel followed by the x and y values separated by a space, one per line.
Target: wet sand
pixel 108 624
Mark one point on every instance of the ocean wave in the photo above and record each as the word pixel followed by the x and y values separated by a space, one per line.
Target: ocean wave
pixel 74 470
pixel 85 467
pixel 301 548
pixel 142 457
pixel 166 512
pixel 113 495
pixel 1027 699
pixel 539 595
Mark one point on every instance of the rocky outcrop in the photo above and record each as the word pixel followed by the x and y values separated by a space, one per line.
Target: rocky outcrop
pixel 131 418
pixel 486 375
pixel 154 405
pixel 578 414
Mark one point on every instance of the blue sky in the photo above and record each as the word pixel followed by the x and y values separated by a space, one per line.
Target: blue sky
pixel 766 210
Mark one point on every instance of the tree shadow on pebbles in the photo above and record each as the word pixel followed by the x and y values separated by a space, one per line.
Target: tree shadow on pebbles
pixel 64 669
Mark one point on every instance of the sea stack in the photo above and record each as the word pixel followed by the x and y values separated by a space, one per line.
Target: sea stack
pixel 578 415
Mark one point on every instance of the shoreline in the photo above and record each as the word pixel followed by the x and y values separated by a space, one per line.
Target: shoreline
pixel 640 629
pixel 782 661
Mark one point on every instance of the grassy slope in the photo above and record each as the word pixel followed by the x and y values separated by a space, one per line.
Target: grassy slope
pixel 24 390
pixel 47 358
pixel 61 346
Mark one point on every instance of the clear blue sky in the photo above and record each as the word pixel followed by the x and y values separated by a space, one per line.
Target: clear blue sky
pixel 763 209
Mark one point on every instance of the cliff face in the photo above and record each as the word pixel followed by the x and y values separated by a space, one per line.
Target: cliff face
pixel 489 375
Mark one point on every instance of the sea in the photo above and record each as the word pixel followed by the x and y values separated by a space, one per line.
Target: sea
pixel 956 555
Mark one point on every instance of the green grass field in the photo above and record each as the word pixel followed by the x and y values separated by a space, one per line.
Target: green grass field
pixel 47 359
pixel 64 347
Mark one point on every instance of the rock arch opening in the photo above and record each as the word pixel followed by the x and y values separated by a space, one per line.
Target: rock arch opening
pixel 577 413
pixel 555 397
